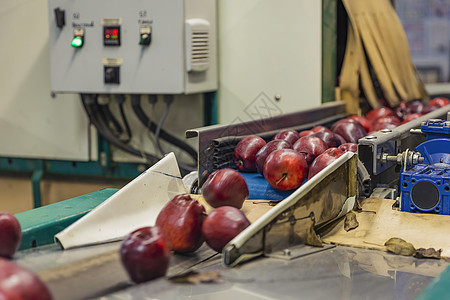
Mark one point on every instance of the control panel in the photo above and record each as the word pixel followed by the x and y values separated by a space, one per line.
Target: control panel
pixel 135 46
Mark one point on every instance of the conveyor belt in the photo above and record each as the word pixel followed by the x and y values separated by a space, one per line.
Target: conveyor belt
pixel 338 273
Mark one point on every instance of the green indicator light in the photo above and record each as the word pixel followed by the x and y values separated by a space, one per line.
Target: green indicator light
pixel 77 42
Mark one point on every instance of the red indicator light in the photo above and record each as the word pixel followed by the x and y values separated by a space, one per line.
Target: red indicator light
pixel 107 31
pixel 115 31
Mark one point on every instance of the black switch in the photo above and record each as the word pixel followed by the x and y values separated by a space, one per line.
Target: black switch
pixel 60 16
pixel 112 74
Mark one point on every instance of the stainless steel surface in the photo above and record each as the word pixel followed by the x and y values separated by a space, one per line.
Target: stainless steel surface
pixel 336 273
pixel 339 273
pixel 329 112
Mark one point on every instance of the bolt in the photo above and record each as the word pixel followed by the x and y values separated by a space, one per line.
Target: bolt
pixel 386 130
pixel 371 137
pixel 277 97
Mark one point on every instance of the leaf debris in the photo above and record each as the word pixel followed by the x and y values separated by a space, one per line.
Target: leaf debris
pixel 196 277
pixel 350 221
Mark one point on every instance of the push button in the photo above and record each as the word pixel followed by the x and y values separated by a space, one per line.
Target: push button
pixel 78 37
pixel 112 74
pixel 145 33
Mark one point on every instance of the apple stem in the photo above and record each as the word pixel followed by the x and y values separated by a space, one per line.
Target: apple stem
pixel 283 177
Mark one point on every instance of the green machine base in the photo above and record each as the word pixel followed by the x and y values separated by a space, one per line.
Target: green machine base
pixel 40 225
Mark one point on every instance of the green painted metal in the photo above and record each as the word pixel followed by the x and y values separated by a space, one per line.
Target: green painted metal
pixel 36 187
pixel 438 288
pixel 40 225
pixel 329 40
pixel 79 168
pixel 210 107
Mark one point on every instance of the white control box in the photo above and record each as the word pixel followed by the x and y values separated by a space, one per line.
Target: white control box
pixel 133 46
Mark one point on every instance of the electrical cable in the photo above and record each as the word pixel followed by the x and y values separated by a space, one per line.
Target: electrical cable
pixel 145 120
pixel 113 122
pixel 95 117
pixel 120 100
pixel 168 99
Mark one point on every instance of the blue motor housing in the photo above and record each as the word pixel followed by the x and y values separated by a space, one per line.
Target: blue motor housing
pixel 426 189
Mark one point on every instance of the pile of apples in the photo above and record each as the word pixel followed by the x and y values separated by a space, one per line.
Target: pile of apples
pixel 16 282
pixel 292 157
pixel 182 226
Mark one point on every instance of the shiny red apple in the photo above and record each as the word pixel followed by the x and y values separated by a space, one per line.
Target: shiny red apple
pixel 17 282
pixel 415 107
pixel 349 129
pixel 379 112
pixel 411 117
pixel 145 254
pixel 427 108
pixel 320 128
pixel 222 225
pixel 389 122
pixel 291 136
pixel 181 221
pixel 349 147
pixel 305 133
pixel 324 160
pixel 310 146
pixel 10 234
pixel 245 153
pixel 266 150
pixel 363 121
pixel 225 187
pixel 439 101
pixel 285 169
pixel 330 138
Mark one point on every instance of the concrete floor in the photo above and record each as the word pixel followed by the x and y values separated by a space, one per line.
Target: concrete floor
pixel 16 193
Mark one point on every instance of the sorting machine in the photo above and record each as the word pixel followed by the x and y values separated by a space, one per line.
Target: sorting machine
pixel 409 163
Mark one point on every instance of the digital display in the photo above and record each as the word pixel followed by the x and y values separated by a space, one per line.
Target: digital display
pixel 111 35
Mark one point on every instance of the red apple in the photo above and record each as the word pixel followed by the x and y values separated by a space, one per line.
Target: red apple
pixel 145 254
pixel 389 122
pixel 10 234
pixel 330 138
pixel 415 106
pixel 402 110
pixel 363 121
pixel 181 222
pixel 305 133
pixel 439 101
pixel 225 187
pixel 222 225
pixel 411 117
pixel 427 108
pixel 245 153
pixel 320 128
pixel 350 130
pixel 291 136
pixel 17 282
pixel 266 150
pixel 352 147
pixel 285 169
pixel 323 160
pixel 310 146
pixel 378 112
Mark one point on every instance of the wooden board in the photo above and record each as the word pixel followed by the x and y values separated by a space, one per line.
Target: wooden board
pixel 378 222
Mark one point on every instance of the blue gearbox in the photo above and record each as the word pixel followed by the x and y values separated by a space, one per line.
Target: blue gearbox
pixel 425 188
